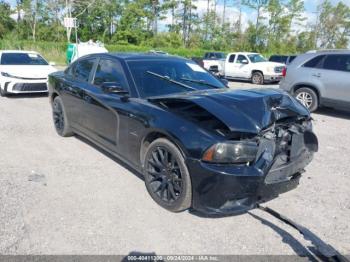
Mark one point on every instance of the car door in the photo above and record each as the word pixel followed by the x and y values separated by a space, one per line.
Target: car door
pixel 104 110
pixel 77 76
pixel 240 68
pixel 229 66
pixel 335 76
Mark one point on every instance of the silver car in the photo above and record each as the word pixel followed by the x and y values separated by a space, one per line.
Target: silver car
pixel 320 78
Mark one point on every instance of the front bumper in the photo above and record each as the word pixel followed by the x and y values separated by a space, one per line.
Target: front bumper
pixel 234 189
pixel 19 86
pixel 273 78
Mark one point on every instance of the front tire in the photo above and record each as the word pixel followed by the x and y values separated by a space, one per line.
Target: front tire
pixel 3 93
pixel 166 176
pixel 257 78
pixel 60 118
pixel 307 97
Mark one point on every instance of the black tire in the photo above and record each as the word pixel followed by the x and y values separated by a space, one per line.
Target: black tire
pixel 60 119
pixel 166 176
pixel 307 97
pixel 3 93
pixel 257 78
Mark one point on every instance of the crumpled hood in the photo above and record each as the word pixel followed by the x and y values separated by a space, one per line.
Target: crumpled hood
pixel 25 71
pixel 245 110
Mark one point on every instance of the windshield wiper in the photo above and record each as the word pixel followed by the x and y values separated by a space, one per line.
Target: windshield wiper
pixel 166 78
pixel 202 82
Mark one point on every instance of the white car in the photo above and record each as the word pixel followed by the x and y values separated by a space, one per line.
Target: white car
pixel 23 72
pixel 251 66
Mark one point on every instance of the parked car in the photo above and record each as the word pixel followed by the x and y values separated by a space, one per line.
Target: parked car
pixel 250 66
pixel 23 72
pixel 197 143
pixel 283 59
pixel 320 79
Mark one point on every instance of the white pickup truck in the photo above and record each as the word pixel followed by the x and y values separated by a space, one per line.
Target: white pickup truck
pixel 250 66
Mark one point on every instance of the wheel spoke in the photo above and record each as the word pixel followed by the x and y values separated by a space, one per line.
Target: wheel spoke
pixel 154 164
pixel 156 160
pixel 171 191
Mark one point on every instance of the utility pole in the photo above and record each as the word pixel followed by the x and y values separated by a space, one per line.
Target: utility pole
pixel 69 16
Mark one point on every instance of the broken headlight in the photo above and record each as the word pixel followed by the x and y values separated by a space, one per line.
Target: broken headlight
pixel 307 124
pixel 231 152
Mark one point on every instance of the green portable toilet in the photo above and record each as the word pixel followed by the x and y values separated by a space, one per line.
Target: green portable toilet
pixel 70 52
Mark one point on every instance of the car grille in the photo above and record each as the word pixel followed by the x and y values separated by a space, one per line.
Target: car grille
pixel 30 87
pixel 279 69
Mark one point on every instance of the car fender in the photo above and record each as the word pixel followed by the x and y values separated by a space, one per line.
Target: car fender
pixel 317 88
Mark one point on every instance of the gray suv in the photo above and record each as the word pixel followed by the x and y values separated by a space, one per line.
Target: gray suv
pixel 320 78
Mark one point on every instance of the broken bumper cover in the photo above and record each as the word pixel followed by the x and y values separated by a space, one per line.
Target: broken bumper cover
pixel 234 189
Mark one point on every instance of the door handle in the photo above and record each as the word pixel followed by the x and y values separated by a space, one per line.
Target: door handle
pixel 316 75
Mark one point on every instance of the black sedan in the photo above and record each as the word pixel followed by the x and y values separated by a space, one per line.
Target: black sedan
pixel 198 144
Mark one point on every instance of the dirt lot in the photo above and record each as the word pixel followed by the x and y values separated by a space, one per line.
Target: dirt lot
pixel 63 196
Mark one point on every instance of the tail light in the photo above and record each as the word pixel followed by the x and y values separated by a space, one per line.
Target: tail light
pixel 284 71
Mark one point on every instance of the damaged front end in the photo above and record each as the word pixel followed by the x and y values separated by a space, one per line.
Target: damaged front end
pixel 265 140
pixel 281 152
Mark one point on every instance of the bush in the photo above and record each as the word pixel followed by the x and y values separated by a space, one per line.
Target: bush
pixel 56 51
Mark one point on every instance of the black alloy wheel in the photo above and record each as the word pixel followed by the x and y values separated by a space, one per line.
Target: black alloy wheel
pixel 60 119
pixel 166 176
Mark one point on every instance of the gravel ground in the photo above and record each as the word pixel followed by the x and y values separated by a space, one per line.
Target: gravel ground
pixel 63 196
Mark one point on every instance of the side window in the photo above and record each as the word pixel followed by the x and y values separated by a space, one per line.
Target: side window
pixel 83 69
pixel 70 70
pixel 109 71
pixel 337 62
pixel 240 59
pixel 231 58
pixel 314 62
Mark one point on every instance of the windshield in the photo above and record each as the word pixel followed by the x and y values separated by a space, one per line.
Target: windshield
pixel 22 59
pixel 256 58
pixel 163 77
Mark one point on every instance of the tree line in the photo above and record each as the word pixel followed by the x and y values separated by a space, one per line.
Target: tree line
pixel 279 26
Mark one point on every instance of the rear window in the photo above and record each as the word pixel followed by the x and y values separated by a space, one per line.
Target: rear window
pixel 314 62
pixel 22 59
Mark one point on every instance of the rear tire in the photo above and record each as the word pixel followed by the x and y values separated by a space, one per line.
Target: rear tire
pixel 166 176
pixel 60 119
pixel 307 97
pixel 257 78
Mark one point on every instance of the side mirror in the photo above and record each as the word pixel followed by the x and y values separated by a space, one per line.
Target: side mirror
pixel 52 63
pixel 113 88
pixel 245 61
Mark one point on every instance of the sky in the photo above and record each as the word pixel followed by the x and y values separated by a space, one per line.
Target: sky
pixel 247 14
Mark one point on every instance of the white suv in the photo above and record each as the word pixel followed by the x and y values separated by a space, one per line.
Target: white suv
pixel 251 66
pixel 23 72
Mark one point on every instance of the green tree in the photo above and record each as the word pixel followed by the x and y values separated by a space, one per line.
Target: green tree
pixel 334 25
pixel 6 22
